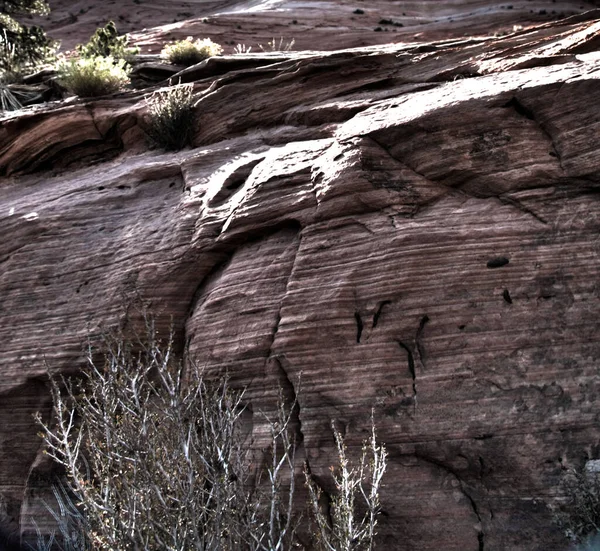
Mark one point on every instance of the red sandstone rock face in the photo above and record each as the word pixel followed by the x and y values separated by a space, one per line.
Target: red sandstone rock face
pixel 410 229
pixel 313 24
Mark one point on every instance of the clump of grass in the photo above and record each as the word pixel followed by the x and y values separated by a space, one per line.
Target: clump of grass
pixel 171 124
pixel 93 77
pixel 242 49
pixel 189 52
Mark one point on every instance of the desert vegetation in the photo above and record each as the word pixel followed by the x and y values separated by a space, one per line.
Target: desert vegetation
pixel 93 76
pixel 21 47
pixel 189 52
pixel 100 67
pixel 106 42
pixel 578 516
pixel 158 457
pixel 171 118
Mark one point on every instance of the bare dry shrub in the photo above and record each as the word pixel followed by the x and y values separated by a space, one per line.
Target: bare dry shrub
pixel 157 458
pixel 155 455
pixel 343 529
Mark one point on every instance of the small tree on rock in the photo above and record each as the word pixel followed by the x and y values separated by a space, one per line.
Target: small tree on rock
pixel 21 46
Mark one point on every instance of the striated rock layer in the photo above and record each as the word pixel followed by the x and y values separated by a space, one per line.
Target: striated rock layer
pixel 408 229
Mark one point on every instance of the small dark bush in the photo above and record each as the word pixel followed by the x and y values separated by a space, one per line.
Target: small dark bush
pixel 171 111
pixel 579 515
pixel 106 42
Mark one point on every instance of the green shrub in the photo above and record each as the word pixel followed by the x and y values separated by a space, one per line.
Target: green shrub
pixel 171 124
pixel 92 77
pixel 187 52
pixel 22 47
pixel 106 42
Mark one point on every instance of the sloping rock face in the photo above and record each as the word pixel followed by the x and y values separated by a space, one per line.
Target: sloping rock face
pixel 409 230
pixel 326 25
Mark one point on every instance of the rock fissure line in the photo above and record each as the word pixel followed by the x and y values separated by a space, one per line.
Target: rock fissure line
pixel 419 341
pixel 90 111
pixel 287 382
pixel 517 204
pixel 417 207
pixel 411 369
pixel 379 311
pixel 359 326
pixel 289 389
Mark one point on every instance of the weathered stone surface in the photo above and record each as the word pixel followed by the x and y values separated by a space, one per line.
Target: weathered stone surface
pixel 409 229
pixel 311 24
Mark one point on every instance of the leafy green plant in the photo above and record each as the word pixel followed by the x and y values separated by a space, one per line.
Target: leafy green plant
pixel 171 118
pixel 93 77
pixel 189 52
pixel 342 528
pixel 22 48
pixel 106 42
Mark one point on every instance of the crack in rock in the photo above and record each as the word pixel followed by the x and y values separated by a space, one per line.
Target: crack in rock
pixel 411 369
pixel 419 341
pixel 359 326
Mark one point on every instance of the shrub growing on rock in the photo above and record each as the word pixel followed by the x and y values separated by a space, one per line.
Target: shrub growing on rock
pixel 157 458
pixel 171 118
pixel 341 527
pixel 155 455
pixel 579 515
pixel 93 77
pixel 22 47
pixel 106 42
pixel 189 52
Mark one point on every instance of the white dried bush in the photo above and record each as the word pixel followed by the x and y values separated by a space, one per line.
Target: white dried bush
pixel 280 45
pixel 579 514
pixel 155 455
pixel 342 527
pixel 157 459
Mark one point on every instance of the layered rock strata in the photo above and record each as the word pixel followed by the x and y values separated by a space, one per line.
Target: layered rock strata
pixel 408 229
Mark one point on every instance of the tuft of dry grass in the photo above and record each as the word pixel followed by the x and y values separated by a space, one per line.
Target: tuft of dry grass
pixel 189 52
pixel 172 119
pixel 93 77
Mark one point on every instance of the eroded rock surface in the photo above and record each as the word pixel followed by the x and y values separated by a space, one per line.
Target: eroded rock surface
pixel 410 229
